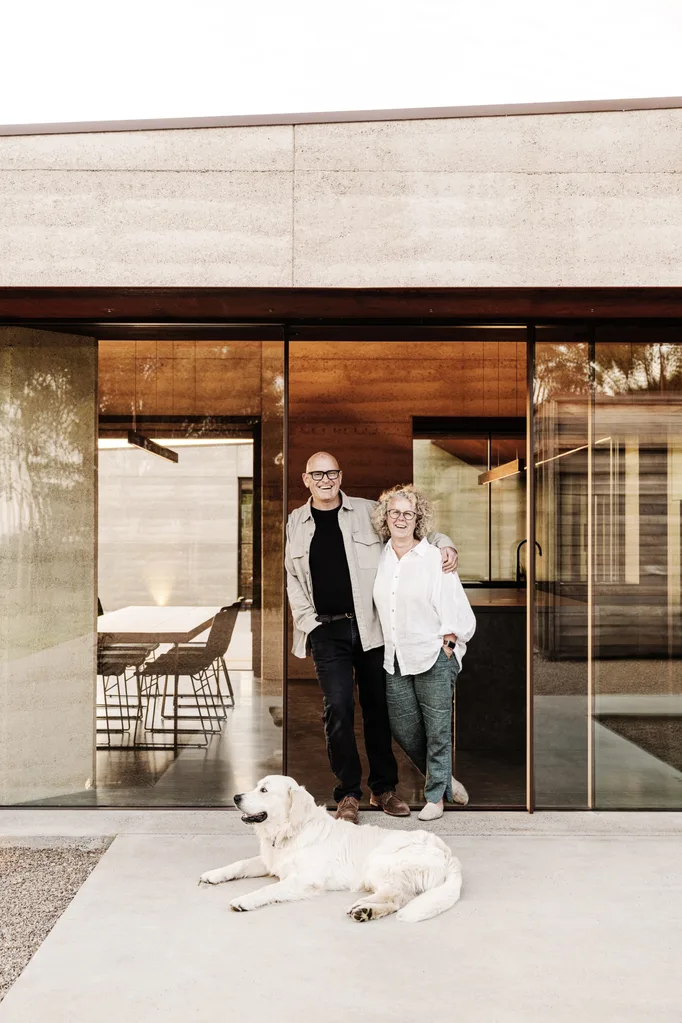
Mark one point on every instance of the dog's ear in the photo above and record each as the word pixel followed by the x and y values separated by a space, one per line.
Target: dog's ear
pixel 301 803
pixel 300 806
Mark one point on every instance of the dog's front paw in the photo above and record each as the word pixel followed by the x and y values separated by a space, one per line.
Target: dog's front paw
pixel 360 912
pixel 213 877
pixel 240 906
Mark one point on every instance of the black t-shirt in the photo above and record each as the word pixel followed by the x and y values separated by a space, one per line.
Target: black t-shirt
pixel 332 590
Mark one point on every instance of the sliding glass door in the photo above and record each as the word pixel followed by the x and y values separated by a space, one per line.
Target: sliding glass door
pixel 637 492
pixel 607 684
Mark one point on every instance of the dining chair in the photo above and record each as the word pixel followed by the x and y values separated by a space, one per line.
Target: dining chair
pixel 217 644
pixel 120 709
pixel 202 664
pixel 117 666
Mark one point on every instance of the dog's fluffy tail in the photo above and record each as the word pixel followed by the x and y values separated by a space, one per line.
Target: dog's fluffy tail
pixel 435 900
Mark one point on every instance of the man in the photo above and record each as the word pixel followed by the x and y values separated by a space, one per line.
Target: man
pixel 332 554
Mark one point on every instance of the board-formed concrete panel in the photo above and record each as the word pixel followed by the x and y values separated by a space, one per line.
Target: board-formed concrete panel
pixel 579 199
pixel 200 149
pixel 135 228
pixel 623 141
pixel 402 229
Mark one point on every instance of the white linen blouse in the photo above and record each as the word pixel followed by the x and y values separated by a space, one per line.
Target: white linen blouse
pixel 418 604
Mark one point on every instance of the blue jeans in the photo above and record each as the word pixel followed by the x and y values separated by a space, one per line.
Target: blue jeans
pixel 420 711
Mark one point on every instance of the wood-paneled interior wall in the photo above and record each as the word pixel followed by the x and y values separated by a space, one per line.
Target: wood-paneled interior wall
pixel 221 378
pixel 357 400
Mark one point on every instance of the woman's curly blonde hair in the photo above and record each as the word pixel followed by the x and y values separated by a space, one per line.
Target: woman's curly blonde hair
pixel 423 521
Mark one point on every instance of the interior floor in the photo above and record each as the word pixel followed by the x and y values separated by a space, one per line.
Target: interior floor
pixel 489 781
pixel 250 746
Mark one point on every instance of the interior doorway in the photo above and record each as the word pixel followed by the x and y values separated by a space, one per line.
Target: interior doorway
pixel 175 529
pixel 189 484
pixel 449 416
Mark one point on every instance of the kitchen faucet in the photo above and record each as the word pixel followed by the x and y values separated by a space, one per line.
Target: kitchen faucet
pixel 518 558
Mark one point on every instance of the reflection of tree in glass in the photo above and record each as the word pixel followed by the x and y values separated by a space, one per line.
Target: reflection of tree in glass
pixel 560 369
pixel 41 448
pixel 624 368
pixel 564 369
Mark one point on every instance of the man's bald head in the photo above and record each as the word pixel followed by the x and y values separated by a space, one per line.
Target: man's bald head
pixel 323 490
pixel 321 460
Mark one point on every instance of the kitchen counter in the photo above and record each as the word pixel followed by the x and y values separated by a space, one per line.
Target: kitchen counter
pixel 490 693
pixel 516 598
pixel 485 598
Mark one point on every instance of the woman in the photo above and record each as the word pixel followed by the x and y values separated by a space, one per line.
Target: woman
pixel 427 622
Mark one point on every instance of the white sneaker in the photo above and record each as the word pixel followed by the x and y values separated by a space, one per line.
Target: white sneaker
pixel 459 793
pixel 431 812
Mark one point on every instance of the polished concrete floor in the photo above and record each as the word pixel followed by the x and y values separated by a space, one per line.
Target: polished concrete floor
pixel 491 781
pixel 250 746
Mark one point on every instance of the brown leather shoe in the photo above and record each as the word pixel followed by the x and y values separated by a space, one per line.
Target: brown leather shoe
pixel 390 803
pixel 347 810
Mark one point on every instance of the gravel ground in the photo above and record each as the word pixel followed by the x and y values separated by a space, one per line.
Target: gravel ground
pixel 36 886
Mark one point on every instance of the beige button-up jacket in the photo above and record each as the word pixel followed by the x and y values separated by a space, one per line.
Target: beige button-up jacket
pixel 363 550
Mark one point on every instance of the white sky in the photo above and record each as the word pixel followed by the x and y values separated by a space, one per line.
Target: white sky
pixel 63 60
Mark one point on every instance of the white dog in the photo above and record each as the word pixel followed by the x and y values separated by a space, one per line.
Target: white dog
pixel 310 852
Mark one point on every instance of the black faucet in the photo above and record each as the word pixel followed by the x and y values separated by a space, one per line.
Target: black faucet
pixel 518 558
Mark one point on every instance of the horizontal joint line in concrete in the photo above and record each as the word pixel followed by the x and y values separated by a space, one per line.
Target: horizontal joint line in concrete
pixel 350 172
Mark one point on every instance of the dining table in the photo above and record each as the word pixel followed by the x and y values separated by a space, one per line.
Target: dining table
pixel 153 625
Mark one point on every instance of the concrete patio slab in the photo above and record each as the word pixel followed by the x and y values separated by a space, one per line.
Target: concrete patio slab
pixel 53 826
pixel 549 928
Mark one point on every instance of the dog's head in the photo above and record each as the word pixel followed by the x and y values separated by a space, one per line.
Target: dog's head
pixel 279 803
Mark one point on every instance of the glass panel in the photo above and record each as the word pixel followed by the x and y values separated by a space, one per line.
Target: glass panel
pixel 47 539
pixel 184 678
pixel 637 637
pixel 390 413
pixel 447 469
pixel 561 403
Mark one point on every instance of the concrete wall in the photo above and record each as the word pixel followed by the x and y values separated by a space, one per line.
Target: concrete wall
pixel 47 564
pixel 553 199
pixel 169 531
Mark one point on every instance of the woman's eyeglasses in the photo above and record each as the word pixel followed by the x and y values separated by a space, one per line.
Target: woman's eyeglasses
pixel 331 474
pixel 407 515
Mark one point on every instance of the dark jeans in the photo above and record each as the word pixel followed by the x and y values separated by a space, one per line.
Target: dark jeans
pixel 337 650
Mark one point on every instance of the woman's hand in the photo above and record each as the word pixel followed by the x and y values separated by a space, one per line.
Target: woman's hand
pixel 448 650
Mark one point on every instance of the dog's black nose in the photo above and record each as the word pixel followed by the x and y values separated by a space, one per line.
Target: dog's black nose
pixel 238 798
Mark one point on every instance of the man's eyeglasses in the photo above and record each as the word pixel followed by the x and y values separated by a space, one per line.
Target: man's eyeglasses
pixel 331 474
pixel 407 515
